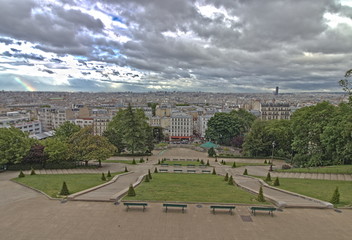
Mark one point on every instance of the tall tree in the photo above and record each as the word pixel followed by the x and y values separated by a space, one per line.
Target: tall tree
pixel 14 145
pixel 130 130
pixel 56 150
pixel 66 130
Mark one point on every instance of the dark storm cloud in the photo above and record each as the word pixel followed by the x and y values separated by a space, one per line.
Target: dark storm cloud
pixel 243 45
pixel 17 54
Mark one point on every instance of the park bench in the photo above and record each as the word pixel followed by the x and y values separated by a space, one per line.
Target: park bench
pixel 205 171
pixel 268 209
pixel 166 205
pixel 181 159
pixel 191 165
pixel 175 159
pixel 177 164
pixel 163 170
pixel 177 170
pixel 164 164
pixel 128 204
pixel 202 166
pixel 223 207
pixel 191 171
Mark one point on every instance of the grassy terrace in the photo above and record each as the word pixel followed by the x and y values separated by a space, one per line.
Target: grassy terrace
pixel 242 164
pixel 320 189
pixel 342 169
pixel 191 188
pixel 121 161
pixel 183 163
pixel 51 183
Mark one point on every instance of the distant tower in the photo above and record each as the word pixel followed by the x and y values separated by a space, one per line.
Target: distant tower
pixel 276 91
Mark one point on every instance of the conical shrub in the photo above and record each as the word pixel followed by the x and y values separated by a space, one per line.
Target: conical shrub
pixel 131 192
pixel 64 190
pixel 134 161
pixel 33 172
pixel 21 175
pixel 109 174
pixel 234 165
pixel 226 177
pixel 103 177
pixel 150 175
pixel 126 169
pixel 277 182
pixel 146 178
pixel 245 172
pixel 260 197
pixel 268 177
pixel 265 162
pixel 155 170
pixel 159 161
pixel 208 163
pixel 214 172
pixel 231 180
pixel 335 197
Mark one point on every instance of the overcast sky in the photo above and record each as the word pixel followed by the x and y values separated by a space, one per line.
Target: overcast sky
pixel 183 45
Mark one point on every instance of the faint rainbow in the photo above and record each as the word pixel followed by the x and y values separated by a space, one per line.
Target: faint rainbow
pixel 25 85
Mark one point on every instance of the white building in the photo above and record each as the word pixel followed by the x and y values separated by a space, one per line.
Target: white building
pixel 22 121
pixel 203 124
pixel 181 126
pixel 100 124
pixel 82 122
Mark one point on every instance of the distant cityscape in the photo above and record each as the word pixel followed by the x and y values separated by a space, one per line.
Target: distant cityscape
pixel 182 116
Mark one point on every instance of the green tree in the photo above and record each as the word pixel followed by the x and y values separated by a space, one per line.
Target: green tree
pixel 146 178
pixel 346 85
pixel 32 172
pixel 276 182
pixel 131 192
pixel 109 174
pixel 103 178
pixel 64 190
pixel 268 177
pixel 308 124
pixel 226 177
pixel 129 130
pixel 56 150
pixel 260 197
pixel 335 199
pixel 230 180
pixel 65 131
pixel 21 175
pixel 234 165
pixel 211 152
pixel 245 172
pixel 14 145
pixel 84 146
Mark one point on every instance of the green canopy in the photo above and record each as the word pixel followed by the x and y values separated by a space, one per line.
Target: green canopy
pixel 209 145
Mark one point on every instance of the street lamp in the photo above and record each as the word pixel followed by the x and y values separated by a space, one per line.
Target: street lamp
pixel 272 156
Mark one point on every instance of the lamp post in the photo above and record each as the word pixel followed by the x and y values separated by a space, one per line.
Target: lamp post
pixel 272 156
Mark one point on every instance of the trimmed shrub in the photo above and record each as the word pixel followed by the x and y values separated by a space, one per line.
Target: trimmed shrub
pixel 202 162
pixel 159 161
pixel 260 197
pixel 245 172
pixel 265 162
pixel 335 197
pixel 150 175
pixel 109 174
pixel 234 165
pixel 216 159
pixel 208 163
pixel 214 172
pixel 134 161
pixel 268 177
pixel 146 178
pixel 276 182
pixel 64 190
pixel 33 172
pixel 131 192
pixel 231 180
pixel 126 169
pixel 21 174
pixel 141 160
pixel 155 170
pixel 226 177
pixel 103 177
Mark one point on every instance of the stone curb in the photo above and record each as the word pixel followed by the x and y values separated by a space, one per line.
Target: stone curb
pixel 120 194
pixel 73 196
pixel 325 204
pixel 34 189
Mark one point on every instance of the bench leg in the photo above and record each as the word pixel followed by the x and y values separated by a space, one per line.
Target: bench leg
pixel 143 208
pixel 230 211
pixel 166 209
pixel 127 208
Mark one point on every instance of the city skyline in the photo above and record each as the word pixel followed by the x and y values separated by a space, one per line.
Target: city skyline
pixel 163 45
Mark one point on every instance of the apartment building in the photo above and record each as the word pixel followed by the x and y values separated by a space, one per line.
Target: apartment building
pixel 100 124
pixel 22 121
pixel 181 126
pixel 270 111
pixel 203 124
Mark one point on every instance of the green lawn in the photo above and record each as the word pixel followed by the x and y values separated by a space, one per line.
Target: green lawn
pixel 51 183
pixel 191 188
pixel 183 163
pixel 121 161
pixel 345 169
pixel 320 189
